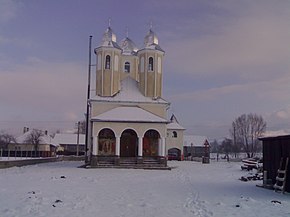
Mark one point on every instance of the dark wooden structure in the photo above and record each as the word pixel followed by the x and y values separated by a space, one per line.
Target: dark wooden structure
pixel 274 148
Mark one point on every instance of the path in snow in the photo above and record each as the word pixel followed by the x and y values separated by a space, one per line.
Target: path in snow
pixel 190 189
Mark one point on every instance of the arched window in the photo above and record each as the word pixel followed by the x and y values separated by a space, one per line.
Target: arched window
pixel 150 64
pixel 127 67
pixel 108 62
pixel 174 134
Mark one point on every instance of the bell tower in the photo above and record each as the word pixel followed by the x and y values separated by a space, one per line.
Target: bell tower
pixel 108 65
pixel 150 66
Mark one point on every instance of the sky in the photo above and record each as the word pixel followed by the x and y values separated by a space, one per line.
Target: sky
pixel 222 59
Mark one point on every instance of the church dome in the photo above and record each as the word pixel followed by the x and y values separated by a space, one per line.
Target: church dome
pixel 150 39
pixel 128 46
pixel 109 39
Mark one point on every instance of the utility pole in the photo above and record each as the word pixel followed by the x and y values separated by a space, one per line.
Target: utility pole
pixel 78 138
pixel 88 106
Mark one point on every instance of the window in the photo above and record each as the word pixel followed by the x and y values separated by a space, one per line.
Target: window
pixel 127 67
pixel 108 62
pixel 174 134
pixel 150 64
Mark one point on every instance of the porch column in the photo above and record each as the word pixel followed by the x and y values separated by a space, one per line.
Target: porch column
pixel 140 146
pixel 159 147
pixel 163 147
pixel 95 145
pixel 118 146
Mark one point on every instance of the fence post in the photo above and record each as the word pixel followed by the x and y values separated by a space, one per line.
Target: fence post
pixel 8 154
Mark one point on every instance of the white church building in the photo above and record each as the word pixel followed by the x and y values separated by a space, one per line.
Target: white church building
pixel 128 117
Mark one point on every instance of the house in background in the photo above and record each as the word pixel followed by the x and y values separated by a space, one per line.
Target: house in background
pixel 174 139
pixel 71 144
pixel 195 146
pixel 26 145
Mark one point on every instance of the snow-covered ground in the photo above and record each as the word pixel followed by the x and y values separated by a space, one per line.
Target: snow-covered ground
pixel 189 189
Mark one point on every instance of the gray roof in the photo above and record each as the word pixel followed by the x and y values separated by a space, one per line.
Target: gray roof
pixel 196 141
pixel 69 139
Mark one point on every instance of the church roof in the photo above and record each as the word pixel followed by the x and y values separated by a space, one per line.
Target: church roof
pixel 129 114
pixel 129 93
pixel 128 46
pixel 174 125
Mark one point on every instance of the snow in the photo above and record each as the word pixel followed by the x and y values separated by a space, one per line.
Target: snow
pixel 129 93
pixel 69 138
pixel 189 189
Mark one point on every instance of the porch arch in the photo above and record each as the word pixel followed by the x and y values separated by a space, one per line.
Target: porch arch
pixel 151 141
pixel 106 142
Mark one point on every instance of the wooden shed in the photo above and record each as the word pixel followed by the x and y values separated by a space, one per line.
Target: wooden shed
pixel 274 148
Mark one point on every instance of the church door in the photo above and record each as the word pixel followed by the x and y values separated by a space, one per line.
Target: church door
pixel 129 144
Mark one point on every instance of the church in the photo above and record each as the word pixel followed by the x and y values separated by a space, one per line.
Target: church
pixel 128 116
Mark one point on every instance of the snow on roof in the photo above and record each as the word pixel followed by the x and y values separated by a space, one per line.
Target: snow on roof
pixel 174 126
pixel 69 139
pixel 129 114
pixel 44 139
pixel 197 141
pixel 129 93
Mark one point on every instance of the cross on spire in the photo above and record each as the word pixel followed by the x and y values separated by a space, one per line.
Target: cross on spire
pixel 151 24
pixel 109 21
pixel 127 32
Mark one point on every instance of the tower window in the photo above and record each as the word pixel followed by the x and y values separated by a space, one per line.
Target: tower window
pixel 150 64
pixel 174 134
pixel 108 62
pixel 127 67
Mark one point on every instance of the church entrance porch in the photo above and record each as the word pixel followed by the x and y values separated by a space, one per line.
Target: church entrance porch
pixel 129 144
pixel 128 148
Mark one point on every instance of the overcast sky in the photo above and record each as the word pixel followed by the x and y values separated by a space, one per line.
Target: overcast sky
pixel 223 59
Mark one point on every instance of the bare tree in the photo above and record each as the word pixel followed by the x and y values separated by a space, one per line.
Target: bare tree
pixel 5 140
pixel 246 130
pixel 34 138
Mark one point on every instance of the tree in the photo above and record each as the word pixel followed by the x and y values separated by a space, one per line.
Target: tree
pixel 226 146
pixel 245 131
pixel 214 146
pixel 5 140
pixel 34 138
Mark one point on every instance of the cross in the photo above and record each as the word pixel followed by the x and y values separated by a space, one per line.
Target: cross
pixel 109 21
pixel 127 31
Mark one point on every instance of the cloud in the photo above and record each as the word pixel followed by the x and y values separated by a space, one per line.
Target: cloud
pixel 252 45
pixel 276 90
pixel 8 10
pixel 43 90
